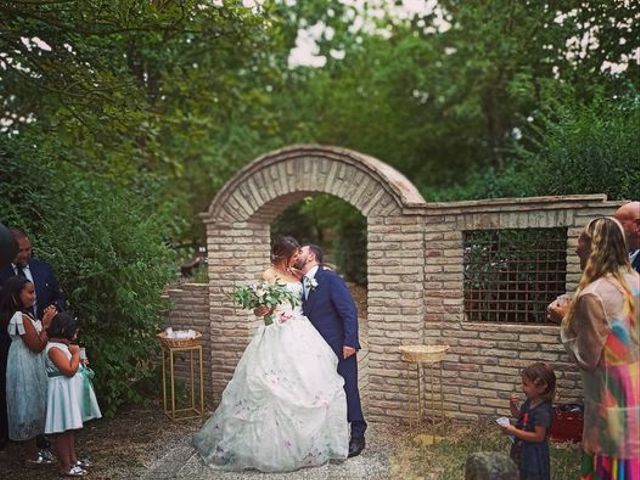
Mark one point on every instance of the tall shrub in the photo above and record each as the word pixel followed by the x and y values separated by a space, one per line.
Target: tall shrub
pixel 575 148
pixel 107 245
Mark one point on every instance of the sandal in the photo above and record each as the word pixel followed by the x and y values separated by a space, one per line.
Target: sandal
pixel 39 460
pixel 47 454
pixel 75 471
pixel 83 463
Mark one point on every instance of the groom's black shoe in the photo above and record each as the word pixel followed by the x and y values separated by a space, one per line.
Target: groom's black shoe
pixel 356 445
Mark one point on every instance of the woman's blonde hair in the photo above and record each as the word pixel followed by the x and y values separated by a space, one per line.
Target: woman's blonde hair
pixel 608 254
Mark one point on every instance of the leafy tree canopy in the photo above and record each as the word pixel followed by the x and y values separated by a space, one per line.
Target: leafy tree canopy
pixel 130 114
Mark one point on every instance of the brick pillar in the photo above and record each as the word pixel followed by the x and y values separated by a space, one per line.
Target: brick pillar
pixel 238 253
pixel 395 311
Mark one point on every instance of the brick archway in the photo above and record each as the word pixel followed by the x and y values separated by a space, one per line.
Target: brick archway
pixel 238 222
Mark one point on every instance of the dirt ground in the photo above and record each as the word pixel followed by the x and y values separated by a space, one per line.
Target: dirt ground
pixel 129 445
pixel 120 448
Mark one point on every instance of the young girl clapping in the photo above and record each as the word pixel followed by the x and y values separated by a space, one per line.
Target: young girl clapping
pixel 69 403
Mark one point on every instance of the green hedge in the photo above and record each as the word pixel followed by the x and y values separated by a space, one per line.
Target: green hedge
pixel 106 244
pixel 574 148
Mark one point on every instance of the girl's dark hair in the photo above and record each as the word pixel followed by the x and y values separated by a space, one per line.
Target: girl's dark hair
pixel 542 374
pixel 10 302
pixel 283 248
pixel 63 325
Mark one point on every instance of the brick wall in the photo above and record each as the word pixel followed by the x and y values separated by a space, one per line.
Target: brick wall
pixel 415 279
pixel 483 364
pixel 190 309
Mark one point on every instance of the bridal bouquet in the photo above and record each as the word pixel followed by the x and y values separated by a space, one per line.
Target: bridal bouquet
pixel 264 295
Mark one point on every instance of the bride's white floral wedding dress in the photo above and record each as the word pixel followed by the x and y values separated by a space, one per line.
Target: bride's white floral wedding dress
pixel 285 407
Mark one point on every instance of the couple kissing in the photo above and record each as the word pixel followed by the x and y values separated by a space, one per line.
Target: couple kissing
pixel 293 400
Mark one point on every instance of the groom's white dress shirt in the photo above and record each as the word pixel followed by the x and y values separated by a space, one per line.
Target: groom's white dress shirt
pixel 307 280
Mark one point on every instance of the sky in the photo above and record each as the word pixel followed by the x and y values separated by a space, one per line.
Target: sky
pixel 306 52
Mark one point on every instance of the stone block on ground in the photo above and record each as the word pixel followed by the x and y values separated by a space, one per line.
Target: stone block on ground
pixel 490 466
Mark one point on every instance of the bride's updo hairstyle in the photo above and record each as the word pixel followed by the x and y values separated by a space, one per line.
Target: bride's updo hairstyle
pixel 283 249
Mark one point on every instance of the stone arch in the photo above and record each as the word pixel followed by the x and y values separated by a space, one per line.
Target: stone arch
pixel 238 222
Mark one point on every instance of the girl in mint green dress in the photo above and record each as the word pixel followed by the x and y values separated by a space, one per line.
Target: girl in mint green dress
pixel 26 380
pixel 70 397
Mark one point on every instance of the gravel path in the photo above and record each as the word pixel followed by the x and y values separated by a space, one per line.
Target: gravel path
pixel 182 462
pixel 145 444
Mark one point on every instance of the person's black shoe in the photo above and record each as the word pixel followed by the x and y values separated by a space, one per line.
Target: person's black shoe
pixel 43 442
pixel 356 445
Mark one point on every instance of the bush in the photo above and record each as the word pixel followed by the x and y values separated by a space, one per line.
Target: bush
pixel 589 149
pixel 575 149
pixel 106 244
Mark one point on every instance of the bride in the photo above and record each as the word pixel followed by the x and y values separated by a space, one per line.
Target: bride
pixel 285 407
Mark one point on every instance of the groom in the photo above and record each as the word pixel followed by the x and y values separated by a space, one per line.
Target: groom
pixel 327 303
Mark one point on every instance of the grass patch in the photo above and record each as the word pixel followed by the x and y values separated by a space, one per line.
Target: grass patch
pixel 413 459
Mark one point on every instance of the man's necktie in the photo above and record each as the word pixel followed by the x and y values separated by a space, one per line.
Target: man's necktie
pixel 305 283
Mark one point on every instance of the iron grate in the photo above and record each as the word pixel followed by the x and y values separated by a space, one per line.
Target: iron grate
pixel 511 275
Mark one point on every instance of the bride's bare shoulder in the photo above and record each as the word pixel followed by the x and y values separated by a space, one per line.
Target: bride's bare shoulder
pixel 269 275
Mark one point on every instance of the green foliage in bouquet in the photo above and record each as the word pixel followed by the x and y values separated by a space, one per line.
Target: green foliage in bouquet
pixel 264 295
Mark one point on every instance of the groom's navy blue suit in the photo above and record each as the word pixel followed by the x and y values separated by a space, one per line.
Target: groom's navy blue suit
pixel 333 313
pixel 636 263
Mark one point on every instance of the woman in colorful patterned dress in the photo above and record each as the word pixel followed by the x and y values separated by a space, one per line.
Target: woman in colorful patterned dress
pixel 602 332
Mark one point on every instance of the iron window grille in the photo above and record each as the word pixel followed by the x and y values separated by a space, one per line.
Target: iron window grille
pixel 511 275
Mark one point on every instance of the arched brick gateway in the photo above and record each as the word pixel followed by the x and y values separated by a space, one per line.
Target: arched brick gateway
pixel 238 222
pixel 416 277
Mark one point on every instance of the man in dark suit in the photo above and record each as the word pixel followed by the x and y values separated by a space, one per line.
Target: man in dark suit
pixel 40 273
pixel 329 306
pixel 629 216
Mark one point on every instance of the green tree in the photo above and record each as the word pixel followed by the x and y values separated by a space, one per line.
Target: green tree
pixel 575 149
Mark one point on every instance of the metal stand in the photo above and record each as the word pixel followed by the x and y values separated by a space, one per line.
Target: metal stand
pixel 192 411
pixel 432 397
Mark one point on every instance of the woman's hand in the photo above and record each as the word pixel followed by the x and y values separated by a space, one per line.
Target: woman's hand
pixel 74 349
pixel 263 311
pixel 556 312
pixel 296 272
pixel 559 308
